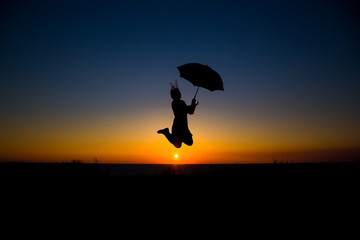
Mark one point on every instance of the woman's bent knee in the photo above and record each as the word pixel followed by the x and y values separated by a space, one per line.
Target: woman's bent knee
pixel 189 142
pixel 177 144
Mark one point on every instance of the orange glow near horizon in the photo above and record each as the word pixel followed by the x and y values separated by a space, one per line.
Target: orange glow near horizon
pixel 118 139
pixel 160 151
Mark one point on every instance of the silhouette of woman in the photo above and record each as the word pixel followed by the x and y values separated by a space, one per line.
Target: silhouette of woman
pixel 180 130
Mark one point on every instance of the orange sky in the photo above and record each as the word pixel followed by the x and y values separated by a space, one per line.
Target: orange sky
pixel 91 81
pixel 133 139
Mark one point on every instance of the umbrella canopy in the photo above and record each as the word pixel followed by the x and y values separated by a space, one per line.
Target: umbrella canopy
pixel 201 76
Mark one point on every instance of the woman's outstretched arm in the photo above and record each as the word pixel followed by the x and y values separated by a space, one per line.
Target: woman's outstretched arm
pixel 191 108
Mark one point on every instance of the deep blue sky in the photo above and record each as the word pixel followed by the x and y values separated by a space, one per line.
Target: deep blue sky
pixel 284 63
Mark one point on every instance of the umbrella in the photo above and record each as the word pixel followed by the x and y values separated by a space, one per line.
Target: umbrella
pixel 201 76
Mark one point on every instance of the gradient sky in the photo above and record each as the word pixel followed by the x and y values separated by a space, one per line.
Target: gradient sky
pixel 90 79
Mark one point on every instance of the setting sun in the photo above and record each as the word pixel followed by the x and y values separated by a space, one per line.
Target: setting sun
pixel 176 156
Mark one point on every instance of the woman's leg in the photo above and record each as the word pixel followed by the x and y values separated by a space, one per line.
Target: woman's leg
pixel 177 141
pixel 170 137
pixel 173 139
pixel 188 141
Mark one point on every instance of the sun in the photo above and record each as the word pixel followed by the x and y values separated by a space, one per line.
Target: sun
pixel 176 156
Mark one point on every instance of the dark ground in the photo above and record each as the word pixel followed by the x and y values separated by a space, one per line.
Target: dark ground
pixel 313 176
pixel 77 169
pixel 310 199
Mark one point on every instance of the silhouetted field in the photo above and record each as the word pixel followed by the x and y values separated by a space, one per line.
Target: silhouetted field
pixel 275 191
pixel 267 174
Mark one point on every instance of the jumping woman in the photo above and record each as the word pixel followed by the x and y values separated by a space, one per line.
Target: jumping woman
pixel 180 132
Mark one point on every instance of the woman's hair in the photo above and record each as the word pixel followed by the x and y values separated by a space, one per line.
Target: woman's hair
pixel 174 91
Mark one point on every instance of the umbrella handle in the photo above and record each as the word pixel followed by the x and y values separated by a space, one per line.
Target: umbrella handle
pixel 196 92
